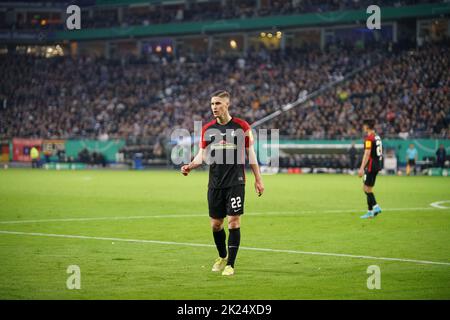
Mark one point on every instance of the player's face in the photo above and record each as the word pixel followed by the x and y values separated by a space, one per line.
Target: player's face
pixel 219 106
pixel 365 128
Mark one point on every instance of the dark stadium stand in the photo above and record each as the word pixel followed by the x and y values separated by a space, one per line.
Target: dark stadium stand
pixel 408 93
pixel 85 97
pixel 102 89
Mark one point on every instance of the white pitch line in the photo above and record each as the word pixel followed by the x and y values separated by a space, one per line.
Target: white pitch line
pixel 211 246
pixel 280 213
pixel 438 204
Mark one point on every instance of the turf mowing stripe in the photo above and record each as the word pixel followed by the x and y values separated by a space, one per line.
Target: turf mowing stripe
pixel 212 246
pixel 280 213
pixel 102 218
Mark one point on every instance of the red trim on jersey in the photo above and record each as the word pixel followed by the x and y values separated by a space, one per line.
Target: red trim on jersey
pixel 202 137
pixel 245 127
pixel 371 138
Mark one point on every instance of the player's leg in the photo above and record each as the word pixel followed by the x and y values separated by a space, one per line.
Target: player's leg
pixel 372 206
pixel 219 236
pixel 375 205
pixel 235 208
pixel 369 213
pixel 371 201
pixel 234 238
pixel 217 213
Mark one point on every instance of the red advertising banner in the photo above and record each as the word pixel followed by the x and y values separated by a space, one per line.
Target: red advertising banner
pixel 22 147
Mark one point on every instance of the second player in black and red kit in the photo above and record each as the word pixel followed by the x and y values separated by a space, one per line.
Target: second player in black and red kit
pixel 371 164
pixel 223 145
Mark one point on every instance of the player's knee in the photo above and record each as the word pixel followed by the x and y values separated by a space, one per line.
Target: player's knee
pixel 234 222
pixel 217 224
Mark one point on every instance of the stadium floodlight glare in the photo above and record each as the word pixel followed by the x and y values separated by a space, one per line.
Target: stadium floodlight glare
pixel 233 44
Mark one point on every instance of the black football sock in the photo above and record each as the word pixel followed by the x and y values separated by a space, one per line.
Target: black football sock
pixel 369 201
pixel 219 239
pixel 234 239
pixel 372 199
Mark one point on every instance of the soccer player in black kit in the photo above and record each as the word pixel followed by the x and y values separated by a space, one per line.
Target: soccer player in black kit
pixel 224 142
pixel 371 164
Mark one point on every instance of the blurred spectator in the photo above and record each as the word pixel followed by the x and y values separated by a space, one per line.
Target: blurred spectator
pixel 352 155
pixel 411 159
pixel 441 156
pixel 34 154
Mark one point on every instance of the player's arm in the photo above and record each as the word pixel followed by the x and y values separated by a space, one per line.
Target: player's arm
pixel 195 163
pixel 259 185
pixel 366 156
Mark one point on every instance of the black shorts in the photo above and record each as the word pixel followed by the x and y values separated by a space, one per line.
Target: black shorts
pixel 412 162
pixel 369 178
pixel 226 202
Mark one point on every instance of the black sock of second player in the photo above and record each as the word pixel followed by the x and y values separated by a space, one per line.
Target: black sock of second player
pixel 234 240
pixel 369 201
pixel 372 199
pixel 219 239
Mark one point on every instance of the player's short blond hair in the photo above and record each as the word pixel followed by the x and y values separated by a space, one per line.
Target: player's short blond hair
pixel 221 94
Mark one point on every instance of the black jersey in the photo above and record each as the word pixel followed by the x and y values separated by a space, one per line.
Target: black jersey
pixel 373 143
pixel 225 145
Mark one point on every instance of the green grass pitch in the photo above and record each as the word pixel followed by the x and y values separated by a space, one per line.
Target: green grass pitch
pixel 299 218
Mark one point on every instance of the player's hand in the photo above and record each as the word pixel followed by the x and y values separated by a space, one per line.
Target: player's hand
pixel 185 170
pixel 259 187
pixel 360 172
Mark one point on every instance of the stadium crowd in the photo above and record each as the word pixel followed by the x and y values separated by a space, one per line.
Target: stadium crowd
pixel 149 97
pixel 408 94
pixel 87 97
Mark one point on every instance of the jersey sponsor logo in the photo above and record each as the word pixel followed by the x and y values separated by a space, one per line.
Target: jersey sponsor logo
pixel 223 145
